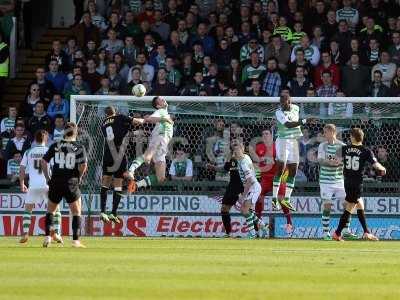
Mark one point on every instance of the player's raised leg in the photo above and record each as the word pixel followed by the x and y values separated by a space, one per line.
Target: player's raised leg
pixel 105 186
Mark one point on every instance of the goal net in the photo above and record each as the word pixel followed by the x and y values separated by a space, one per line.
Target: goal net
pixel 205 126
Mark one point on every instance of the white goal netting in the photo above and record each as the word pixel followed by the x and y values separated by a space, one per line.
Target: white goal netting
pixel 204 127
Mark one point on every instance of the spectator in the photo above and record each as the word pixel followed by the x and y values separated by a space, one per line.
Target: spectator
pixel 148 14
pixel 300 61
pixel 340 109
pixel 13 167
pixel 183 32
pixel 146 69
pixel 254 70
pixel 18 143
pixel 112 45
pixel 90 51
pixel 280 50
pixel 130 51
pixel 387 68
pixel 326 65
pixel 31 99
pixel 7 127
pixel 70 50
pixel 194 88
pixel 174 46
pixel 91 76
pixel 223 55
pixel 371 31
pixel 157 59
pixel 162 28
pixel 318 38
pixel 162 86
pixel 115 25
pixel 187 68
pixel 373 52
pixel 343 36
pixel 283 30
pixel 40 119
pixel 102 62
pixel 355 78
pixel 76 87
pixel 395 86
pixel 97 19
pixel 273 79
pixel 135 79
pixel 329 28
pixel 116 81
pixel 59 55
pixel 181 167
pixel 57 78
pixel 311 52
pixel 173 74
pixel 86 31
pixel 47 88
pixel 394 48
pixel 327 89
pixel 245 35
pixel 377 88
pixel 58 132
pixel 105 87
pixel 355 49
pixel 299 84
pixel 348 14
pixel 255 89
pixel 58 106
pixel 202 37
pixel 122 67
pixel 249 48
pixel 337 56
pixel 297 34
pixel 131 27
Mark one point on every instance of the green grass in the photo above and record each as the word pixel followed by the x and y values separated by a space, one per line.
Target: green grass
pixel 133 268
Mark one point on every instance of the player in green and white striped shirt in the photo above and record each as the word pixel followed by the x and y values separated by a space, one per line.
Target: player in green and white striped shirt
pixel 331 176
pixel 287 148
pixel 251 192
pixel 157 148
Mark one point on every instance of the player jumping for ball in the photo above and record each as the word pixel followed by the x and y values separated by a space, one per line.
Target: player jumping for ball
pixel 287 148
pixel 157 148
pixel 331 178
pixel 251 192
pixel 115 128
pixel 355 156
pixel 38 188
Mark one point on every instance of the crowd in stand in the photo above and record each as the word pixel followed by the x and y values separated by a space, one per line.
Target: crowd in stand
pixel 221 47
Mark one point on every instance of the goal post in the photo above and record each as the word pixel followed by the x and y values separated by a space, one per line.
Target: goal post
pixel 195 128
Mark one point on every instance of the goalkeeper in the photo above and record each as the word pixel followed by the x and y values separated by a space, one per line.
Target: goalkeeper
pixel 157 148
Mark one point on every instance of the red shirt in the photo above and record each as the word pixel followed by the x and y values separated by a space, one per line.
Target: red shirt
pixel 334 69
pixel 267 156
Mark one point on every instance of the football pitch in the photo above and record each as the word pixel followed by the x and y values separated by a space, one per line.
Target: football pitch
pixel 143 268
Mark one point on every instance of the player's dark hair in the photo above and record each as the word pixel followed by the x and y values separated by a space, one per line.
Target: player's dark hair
pixel 357 134
pixel 109 111
pixel 70 130
pixel 39 136
pixel 154 102
pixel 59 116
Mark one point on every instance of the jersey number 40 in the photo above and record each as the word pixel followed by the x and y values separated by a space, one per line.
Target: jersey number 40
pixel 65 161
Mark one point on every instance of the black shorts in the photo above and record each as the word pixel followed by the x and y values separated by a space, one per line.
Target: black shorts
pixel 353 192
pixel 59 189
pixel 117 171
pixel 231 196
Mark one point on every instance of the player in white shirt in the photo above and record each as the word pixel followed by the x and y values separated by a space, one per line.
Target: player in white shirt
pixel 252 190
pixel 38 188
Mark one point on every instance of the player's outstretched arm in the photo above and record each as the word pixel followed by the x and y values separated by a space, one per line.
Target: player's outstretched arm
pixel 377 166
pixel 152 119
pixel 137 121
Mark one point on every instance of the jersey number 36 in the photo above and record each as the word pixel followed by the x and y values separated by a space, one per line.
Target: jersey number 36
pixel 352 163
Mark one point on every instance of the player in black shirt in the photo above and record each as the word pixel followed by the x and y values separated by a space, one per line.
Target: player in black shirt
pixel 231 196
pixel 69 166
pixel 115 128
pixel 355 157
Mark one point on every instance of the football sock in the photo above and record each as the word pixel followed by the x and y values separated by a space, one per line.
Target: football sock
pixel 346 228
pixel 250 223
pixel 76 224
pixel 363 221
pixel 287 214
pixel 136 164
pixel 49 223
pixel 103 198
pixel 116 199
pixel 147 181
pixel 342 222
pixel 57 222
pixel 259 207
pixel 289 187
pixel 226 220
pixel 325 220
pixel 257 221
pixel 26 221
pixel 275 186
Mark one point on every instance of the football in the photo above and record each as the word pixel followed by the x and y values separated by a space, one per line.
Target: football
pixel 139 90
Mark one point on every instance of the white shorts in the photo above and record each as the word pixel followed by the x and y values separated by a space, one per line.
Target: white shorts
pixel 253 193
pixel 328 190
pixel 34 196
pixel 287 150
pixel 159 147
